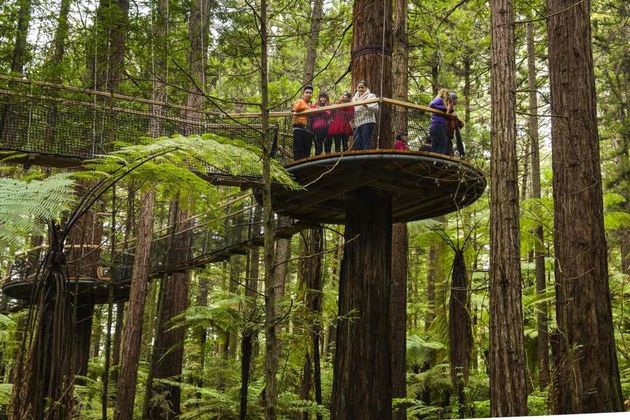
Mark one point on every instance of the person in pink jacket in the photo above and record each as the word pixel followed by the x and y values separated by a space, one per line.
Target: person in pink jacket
pixel 401 142
pixel 320 122
pixel 340 129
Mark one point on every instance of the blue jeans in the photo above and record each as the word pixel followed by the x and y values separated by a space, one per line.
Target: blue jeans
pixel 439 141
pixel 363 135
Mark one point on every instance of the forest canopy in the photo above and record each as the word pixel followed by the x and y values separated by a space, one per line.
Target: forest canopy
pixel 179 292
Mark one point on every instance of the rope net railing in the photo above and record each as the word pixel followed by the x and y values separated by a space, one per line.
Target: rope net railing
pixel 206 239
pixel 65 122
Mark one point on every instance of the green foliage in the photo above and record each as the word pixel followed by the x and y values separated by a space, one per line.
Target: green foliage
pixel 222 314
pixel 176 161
pixel 25 206
pixel 420 351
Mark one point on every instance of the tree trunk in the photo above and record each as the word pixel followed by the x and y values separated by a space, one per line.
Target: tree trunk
pixel 82 335
pixel 106 65
pixel 43 385
pixel 508 390
pixel 249 334
pixel 273 294
pixel 312 41
pixel 20 48
pixel 433 263
pixel 271 279
pixel 168 347
pixel 399 315
pixel 400 245
pixel 589 374
pixel 117 42
pixel 96 331
pixel 59 41
pixel 539 247
pixel 312 275
pixel 120 316
pixel 362 387
pixel 460 329
pixel 197 57
pixel 236 271
pixel 83 261
pixel 132 332
pixel 372 58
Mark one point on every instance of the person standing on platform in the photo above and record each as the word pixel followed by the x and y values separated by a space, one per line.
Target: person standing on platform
pixel 319 124
pixel 364 117
pixel 401 142
pixel 340 129
pixel 437 129
pixel 302 136
pixel 453 126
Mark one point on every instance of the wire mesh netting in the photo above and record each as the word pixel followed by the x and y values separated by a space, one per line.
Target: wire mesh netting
pixel 204 240
pixel 71 123
pixel 64 122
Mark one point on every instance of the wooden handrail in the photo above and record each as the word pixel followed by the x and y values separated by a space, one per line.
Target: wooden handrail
pixel 275 114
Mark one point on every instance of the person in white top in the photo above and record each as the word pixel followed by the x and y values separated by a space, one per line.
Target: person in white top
pixel 364 117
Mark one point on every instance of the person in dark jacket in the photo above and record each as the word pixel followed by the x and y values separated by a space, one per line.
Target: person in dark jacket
pixel 453 126
pixel 437 129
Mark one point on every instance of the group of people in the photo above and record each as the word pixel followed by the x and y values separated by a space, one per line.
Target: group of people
pixel 444 129
pixel 334 127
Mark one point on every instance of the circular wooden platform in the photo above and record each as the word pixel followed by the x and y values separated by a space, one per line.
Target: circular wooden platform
pixel 422 184
pixel 96 291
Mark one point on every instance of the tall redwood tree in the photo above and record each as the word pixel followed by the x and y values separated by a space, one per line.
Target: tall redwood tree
pixel 587 376
pixel 508 391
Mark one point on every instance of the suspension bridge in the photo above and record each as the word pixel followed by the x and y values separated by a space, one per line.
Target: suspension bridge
pixel 59 126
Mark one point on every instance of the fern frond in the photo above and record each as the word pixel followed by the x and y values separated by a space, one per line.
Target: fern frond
pixel 25 206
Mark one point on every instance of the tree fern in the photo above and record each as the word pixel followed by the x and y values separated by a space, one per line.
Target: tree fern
pixel 25 206
pixel 177 160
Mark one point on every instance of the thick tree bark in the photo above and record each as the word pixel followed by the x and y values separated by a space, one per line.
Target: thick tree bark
pixel 198 55
pixel 312 276
pixel 118 45
pixel 460 329
pixel 249 334
pixel 312 41
pixel 589 374
pixel 132 332
pixel 400 246
pixel 399 315
pixel 168 347
pixel 508 391
pixel 273 294
pixel 539 247
pixel 271 279
pixel 20 48
pixel 372 58
pixel 82 335
pixel 59 41
pixel 362 387
pixel 112 23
